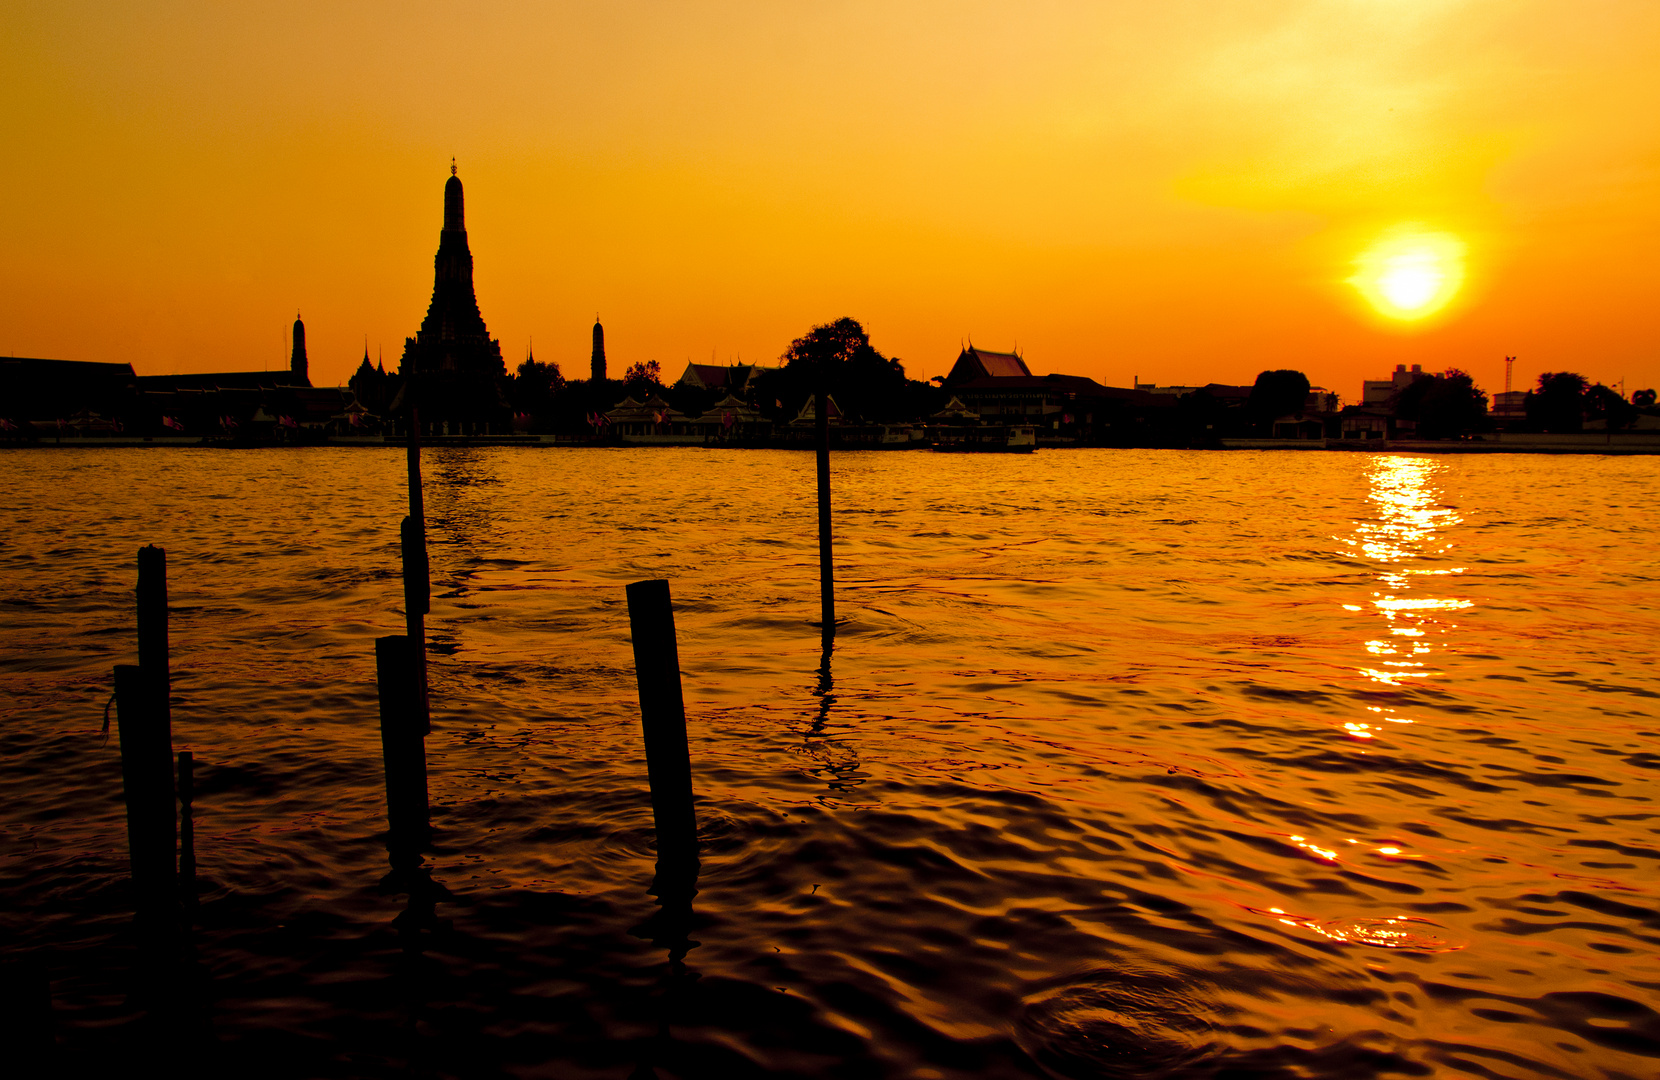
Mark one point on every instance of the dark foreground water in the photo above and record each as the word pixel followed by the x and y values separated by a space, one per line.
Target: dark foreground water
pixel 1126 764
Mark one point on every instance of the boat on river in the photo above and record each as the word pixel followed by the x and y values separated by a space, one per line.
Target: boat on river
pixel 985 439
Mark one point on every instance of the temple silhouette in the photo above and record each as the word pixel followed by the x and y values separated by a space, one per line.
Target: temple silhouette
pixel 452 368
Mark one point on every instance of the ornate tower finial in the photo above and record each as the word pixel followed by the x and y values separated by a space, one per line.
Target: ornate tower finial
pixel 452 166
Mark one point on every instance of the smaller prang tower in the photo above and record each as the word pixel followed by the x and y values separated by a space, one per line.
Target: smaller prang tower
pixel 297 363
pixel 597 362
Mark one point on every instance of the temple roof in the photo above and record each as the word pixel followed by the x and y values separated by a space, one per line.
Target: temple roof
pixel 975 363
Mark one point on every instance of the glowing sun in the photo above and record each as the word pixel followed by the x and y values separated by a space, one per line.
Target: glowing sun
pixel 1410 272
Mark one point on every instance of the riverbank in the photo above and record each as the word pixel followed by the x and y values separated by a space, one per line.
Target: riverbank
pixel 1597 442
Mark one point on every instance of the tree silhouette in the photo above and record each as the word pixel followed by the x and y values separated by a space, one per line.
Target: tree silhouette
pixel 644 377
pixel 1443 406
pixel 533 386
pixel 1275 394
pixel 1559 402
pixel 1607 405
pixel 867 386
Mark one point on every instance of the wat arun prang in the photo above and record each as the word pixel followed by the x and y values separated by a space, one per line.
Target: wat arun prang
pixel 452 366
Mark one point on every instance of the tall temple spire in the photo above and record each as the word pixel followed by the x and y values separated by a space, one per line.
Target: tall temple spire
pixel 453 315
pixel 297 362
pixel 453 355
pixel 597 361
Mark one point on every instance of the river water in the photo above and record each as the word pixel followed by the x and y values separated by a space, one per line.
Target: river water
pixel 1124 764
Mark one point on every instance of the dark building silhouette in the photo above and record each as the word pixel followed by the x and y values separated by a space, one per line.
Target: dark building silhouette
pixel 597 363
pixel 452 368
pixel 733 378
pixel 50 394
pixel 297 363
pixel 372 385
pixel 975 363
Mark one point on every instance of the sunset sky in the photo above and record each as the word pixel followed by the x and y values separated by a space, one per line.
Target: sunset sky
pixel 1184 192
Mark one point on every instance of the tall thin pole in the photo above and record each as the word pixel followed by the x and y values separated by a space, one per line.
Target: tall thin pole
pixel 147 789
pixel 826 571
pixel 407 808
pixel 663 719
pixel 417 578
pixel 152 632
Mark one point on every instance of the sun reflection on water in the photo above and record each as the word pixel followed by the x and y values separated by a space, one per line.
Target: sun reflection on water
pixel 1411 527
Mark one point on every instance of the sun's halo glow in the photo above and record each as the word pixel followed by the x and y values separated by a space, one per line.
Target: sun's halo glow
pixel 1410 272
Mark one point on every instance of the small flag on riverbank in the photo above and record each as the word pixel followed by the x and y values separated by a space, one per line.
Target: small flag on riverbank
pixel 172 422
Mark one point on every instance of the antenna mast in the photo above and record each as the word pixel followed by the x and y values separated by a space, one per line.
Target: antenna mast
pixel 1509 362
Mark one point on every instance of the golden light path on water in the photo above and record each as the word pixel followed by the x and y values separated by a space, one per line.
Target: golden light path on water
pixel 1410 527
pixel 1407 536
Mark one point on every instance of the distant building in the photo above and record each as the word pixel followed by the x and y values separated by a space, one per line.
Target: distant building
pixel 218 380
pixel 1321 400
pixel 452 367
pixel 733 378
pixel 1510 403
pixel 596 361
pixel 208 381
pixel 1379 391
pixel 1226 393
pixel 807 416
pixel 371 384
pixel 45 393
pixel 1001 389
pixel 975 363
pixel 1173 391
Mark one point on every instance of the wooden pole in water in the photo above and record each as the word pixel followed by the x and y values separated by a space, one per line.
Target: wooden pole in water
pixel 147 787
pixel 403 749
pixel 663 719
pixel 152 631
pixel 417 575
pixel 826 571
pixel 187 821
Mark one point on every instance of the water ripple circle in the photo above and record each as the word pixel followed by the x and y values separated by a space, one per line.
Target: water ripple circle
pixel 1117 1023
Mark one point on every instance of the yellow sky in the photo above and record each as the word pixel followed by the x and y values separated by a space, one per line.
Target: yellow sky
pixel 1173 190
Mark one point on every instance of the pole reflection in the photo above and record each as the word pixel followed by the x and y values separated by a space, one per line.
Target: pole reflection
pixel 1409 542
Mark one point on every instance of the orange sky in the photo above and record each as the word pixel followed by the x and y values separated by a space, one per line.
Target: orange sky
pixel 1172 190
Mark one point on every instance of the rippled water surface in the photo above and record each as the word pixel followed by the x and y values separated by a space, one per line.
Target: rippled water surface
pixel 1125 764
